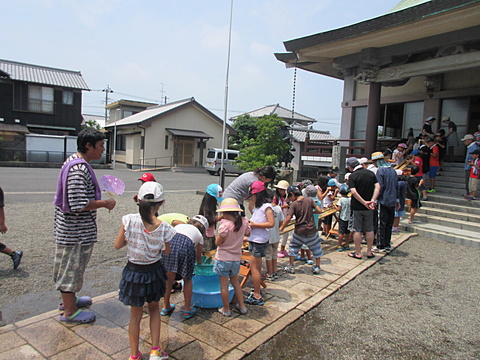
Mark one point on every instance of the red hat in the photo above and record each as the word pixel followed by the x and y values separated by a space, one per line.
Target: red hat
pixel 257 186
pixel 147 177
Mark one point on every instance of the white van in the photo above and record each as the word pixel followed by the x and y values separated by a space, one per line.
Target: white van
pixel 213 162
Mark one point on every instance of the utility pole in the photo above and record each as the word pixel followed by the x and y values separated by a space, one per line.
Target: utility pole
pixel 162 95
pixel 107 91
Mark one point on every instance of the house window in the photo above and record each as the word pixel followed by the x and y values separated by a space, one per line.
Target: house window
pixel 40 99
pixel 121 143
pixel 67 97
pixel 166 142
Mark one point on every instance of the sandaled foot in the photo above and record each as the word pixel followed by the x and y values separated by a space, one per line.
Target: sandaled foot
pixel 371 256
pixel 82 302
pixel 80 317
pixel 354 255
pixel 189 314
pixel 224 313
pixel 167 312
pixel 138 357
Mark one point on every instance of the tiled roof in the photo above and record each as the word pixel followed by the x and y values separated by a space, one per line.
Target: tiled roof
pixel 282 112
pixel 299 134
pixel 43 75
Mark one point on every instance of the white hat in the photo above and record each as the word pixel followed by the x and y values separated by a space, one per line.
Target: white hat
pixel 468 137
pixel 151 188
pixel 362 160
pixel 202 219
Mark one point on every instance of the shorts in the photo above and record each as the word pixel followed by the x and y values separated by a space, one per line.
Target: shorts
pixel 425 178
pixel 257 249
pixel 327 220
pixel 343 227
pixel 363 220
pixel 271 251
pixel 473 184
pixel 313 242
pixel 69 266
pixel 433 171
pixel 399 213
pixel 226 268
pixel 415 204
pixel 182 256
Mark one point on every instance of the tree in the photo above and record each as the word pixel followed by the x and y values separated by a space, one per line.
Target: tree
pixel 246 128
pixel 265 146
pixel 91 124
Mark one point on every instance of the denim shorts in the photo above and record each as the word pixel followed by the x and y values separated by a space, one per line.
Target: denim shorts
pixel 257 249
pixel 226 268
pixel 433 171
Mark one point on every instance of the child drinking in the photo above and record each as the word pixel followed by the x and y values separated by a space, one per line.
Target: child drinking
pixel 274 239
pixel 231 230
pixel 328 202
pixel 143 278
pixel 280 199
pixel 208 208
pixel 262 220
pixel 343 207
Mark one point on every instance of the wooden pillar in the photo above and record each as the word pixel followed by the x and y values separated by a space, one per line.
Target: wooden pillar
pixel 373 114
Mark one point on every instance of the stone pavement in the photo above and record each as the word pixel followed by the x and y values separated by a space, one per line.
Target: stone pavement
pixel 209 335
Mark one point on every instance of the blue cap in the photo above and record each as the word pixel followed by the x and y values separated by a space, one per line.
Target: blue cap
pixel 332 182
pixel 216 191
pixel 415 152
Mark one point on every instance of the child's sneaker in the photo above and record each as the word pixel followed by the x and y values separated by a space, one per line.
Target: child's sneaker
pixel 252 300
pixel 270 278
pixel 157 355
pixel 138 357
pixel 340 248
pixel 289 269
pixel 310 262
pixel 275 275
pixel 395 229
pixel 16 258
pixel 316 269
pixel 346 247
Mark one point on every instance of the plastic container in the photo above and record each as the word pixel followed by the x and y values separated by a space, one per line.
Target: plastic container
pixel 206 288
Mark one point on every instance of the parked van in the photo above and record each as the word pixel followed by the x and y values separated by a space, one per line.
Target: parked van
pixel 213 162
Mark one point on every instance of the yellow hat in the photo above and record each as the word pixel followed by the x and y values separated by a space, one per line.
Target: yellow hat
pixel 229 204
pixel 282 184
pixel 377 155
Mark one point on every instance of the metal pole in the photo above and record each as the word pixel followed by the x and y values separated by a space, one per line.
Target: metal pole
pixel 222 171
pixel 114 162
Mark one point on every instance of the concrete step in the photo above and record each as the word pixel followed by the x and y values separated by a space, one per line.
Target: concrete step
pixel 449 222
pixel 444 233
pixel 448 196
pixel 450 210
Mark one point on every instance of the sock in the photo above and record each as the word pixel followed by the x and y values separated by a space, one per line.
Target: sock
pixel 155 348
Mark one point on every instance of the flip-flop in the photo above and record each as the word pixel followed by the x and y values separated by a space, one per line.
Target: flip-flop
pixel 167 312
pixel 370 256
pixel 82 302
pixel 80 317
pixel 190 314
pixel 354 255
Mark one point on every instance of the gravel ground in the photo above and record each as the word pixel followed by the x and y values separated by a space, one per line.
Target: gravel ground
pixel 29 290
pixel 421 302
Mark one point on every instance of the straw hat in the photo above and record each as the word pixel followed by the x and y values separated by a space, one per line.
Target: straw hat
pixel 229 204
pixel 282 184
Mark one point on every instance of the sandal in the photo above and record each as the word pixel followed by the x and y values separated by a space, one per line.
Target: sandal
pixel 82 302
pixel 168 312
pixel 354 255
pixel 80 317
pixel 138 357
pixel 370 256
pixel 190 313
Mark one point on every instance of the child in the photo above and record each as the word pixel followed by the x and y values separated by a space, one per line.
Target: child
pixel 186 249
pixel 400 211
pixel 231 230
pixel 332 191
pixel 262 220
pixel 280 199
pixel 343 207
pixel 474 171
pixel 398 154
pixel 208 208
pixel 413 183
pixel 16 256
pixel 143 278
pixel 305 231
pixel 274 239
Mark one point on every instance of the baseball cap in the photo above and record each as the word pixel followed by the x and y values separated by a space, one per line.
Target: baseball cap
pixel 229 204
pixel 468 137
pixel 352 162
pixel 147 177
pixel 291 188
pixel 446 118
pixel 282 184
pixel 310 191
pixel 475 152
pixel 377 155
pixel 334 170
pixel 415 152
pixel 202 219
pixel 151 188
pixel 215 190
pixel 331 182
pixel 430 118
pixel 362 160
pixel 257 186
pixel 402 145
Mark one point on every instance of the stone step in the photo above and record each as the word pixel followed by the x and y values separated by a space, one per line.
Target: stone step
pixel 449 222
pixel 448 184
pixel 447 196
pixel 444 233
pixel 450 209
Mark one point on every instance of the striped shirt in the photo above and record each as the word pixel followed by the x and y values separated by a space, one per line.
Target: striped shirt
pixel 77 226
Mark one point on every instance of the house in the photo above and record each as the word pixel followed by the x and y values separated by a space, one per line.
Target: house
pixel 39 100
pixel 421 59
pixel 304 165
pixel 169 135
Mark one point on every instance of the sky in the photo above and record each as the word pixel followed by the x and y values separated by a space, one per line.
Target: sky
pixel 145 50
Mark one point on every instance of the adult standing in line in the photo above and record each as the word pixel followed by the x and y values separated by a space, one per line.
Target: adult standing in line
pixel 387 201
pixel 365 189
pixel 77 199
pixel 16 256
pixel 452 138
pixel 469 141
pixel 427 127
pixel 239 189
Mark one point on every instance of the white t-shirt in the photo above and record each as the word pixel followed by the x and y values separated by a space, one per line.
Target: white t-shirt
pixel 191 232
pixel 260 235
pixel 274 233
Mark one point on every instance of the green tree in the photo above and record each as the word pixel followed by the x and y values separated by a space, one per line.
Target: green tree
pixel 246 128
pixel 265 147
pixel 91 124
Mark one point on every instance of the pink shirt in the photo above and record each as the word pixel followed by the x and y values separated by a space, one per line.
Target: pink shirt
pixel 231 249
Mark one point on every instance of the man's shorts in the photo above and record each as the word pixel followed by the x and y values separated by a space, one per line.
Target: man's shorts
pixel 473 184
pixel 257 249
pixel 433 171
pixel 69 266
pixel 363 220
pixel 313 242
pixel 272 251
pixel 415 204
pixel 226 268
pixel 343 227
